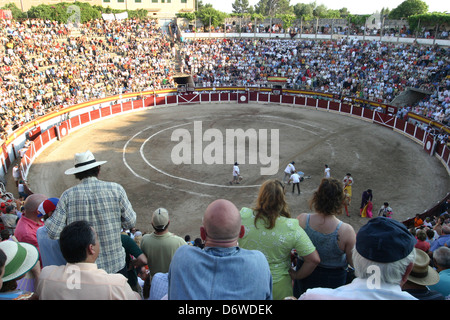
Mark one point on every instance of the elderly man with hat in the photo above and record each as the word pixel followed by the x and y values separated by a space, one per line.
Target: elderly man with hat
pixel 160 246
pixel 103 204
pixel 422 275
pixel 383 258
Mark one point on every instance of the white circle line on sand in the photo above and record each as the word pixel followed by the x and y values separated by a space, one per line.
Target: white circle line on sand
pixel 181 178
pixel 177 177
pixel 146 179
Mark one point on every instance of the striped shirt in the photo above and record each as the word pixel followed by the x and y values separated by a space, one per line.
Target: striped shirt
pixel 106 207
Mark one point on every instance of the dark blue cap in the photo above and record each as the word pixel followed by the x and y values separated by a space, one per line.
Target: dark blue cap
pixel 384 240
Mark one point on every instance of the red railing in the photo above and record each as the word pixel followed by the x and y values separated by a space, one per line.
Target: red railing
pixel 59 130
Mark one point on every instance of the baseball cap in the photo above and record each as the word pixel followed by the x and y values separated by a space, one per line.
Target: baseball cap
pixel 47 206
pixel 384 240
pixel 160 218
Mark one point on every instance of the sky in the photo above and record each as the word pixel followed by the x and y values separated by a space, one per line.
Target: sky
pixel 353 6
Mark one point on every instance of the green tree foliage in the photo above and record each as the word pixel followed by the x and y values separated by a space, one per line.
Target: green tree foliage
pixel 430 20
pixel 186 15
pixel 308 11
pixel 304 11
pixel 288 20
pixel 358 20
pixel 207 14
pixel 241 6
pixel 408 8
pixel 64 12
pixel 271 8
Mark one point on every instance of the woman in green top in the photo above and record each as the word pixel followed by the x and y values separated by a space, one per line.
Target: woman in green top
pixel 270 229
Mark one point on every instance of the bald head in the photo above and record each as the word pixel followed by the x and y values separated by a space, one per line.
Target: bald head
pixel 31 205
pixel 221 224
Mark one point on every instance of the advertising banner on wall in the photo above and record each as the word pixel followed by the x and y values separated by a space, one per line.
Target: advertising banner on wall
pixel 6 14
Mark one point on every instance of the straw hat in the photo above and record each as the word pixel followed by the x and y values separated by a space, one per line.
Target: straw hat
pixel 422 273
pixel 83 162
pixel 20 258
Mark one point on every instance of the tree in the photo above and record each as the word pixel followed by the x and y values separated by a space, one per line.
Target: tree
pixel 408 8
pixel 305 11
pixel 344 12
pixel 208 14
pixel 320 11
pixel 429 20
pixel 241 6
pixel 271 8
pixel 288 20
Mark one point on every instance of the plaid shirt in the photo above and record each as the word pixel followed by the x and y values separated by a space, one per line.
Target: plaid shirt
pixel 106 206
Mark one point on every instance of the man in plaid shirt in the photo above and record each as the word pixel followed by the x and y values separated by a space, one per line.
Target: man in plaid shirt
pixel 103 204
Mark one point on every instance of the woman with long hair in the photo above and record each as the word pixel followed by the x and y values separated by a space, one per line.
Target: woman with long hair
pixel 270 229
pixel 333 238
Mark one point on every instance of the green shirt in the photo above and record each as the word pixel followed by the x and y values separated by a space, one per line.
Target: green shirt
pixel 131 249
pixel 276 244
pixel 159 250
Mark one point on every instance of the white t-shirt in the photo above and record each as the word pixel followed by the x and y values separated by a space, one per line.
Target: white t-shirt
pixel 327 172
pixel 16 173
pixel 235 171
pixel 295 178
pixel 289 168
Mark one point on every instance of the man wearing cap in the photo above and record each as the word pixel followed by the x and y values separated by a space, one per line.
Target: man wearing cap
pixel 48 248
pixel 383 258
pixel 104 204
pixel 160 246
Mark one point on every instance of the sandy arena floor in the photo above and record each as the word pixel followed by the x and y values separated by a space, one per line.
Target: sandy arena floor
pixel 140 154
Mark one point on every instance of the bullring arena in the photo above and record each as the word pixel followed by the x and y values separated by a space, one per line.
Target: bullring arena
pixel 134 130
pixel 138 147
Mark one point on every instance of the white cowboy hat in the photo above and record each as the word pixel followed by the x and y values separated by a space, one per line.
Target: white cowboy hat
pixel 84 161
pixel 20 258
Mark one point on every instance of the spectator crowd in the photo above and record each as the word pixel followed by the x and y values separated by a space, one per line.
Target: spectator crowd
pixel 47 66
pixel 259 252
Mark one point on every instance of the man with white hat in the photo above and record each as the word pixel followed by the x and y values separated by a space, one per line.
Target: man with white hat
pixel 160 246
pixel 103 204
